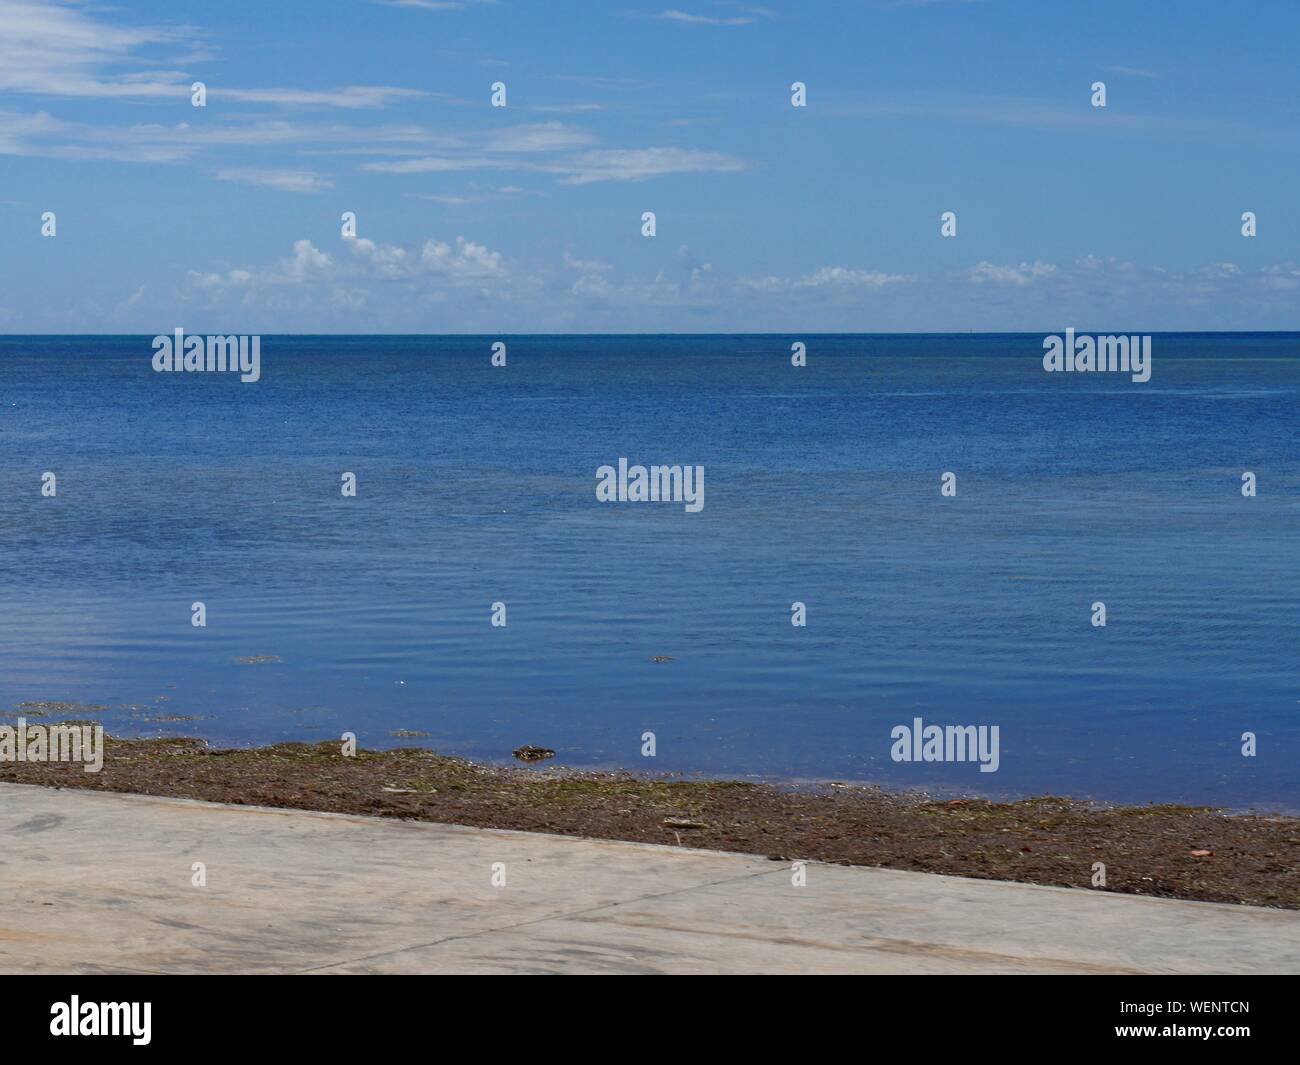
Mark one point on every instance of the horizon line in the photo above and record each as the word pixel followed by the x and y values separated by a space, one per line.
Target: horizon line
pixel 768 333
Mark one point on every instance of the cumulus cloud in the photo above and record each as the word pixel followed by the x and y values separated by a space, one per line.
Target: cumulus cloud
pixel 305 264
pixel 362 263
pixel 464 285
pixel 1024 274
pixel 464 261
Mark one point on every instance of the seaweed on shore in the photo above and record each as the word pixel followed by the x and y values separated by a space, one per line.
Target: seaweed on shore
pixel 1163 850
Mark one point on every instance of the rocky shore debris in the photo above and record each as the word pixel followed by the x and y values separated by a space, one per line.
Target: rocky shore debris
pixel 1254 857
pixel 529 753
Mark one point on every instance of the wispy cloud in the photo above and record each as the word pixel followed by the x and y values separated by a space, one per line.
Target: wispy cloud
pixel 284 180
pixel 1135 72
pixel 546 148
pixel 350 96
pixel 474 194
pixel 440 165
pixel 687 19
pixel 42 135
pixel 63 50
pixel 542 137
pixel 637 164
pixel 1034 114
pixel 59 50
pixel 565 109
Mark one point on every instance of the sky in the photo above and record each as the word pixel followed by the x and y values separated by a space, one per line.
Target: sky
pixel 527 218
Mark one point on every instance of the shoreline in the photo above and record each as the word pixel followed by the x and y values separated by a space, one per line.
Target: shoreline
pixel 148 723
pixel 1158 850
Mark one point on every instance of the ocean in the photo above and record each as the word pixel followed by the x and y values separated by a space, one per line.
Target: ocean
pixel 477 485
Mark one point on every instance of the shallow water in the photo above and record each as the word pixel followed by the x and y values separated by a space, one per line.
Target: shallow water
pixel 822 485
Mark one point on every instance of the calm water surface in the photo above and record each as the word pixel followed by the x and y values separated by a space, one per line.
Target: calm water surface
pixel 822 485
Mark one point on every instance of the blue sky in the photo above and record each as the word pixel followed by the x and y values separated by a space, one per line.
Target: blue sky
pixel 527 218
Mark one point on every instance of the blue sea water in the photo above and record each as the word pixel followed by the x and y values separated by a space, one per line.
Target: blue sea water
pixel 477 484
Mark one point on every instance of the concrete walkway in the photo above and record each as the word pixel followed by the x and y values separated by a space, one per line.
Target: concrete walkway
pixel 103 883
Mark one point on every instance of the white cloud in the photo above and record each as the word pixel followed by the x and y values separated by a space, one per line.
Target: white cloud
pixel 366 261
pixel 437 165
pixel 41 135
pixel 466 261
pixel 637 164
pixel 839 275
pixel 462 285
pixel 66 50
pixel 306 264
